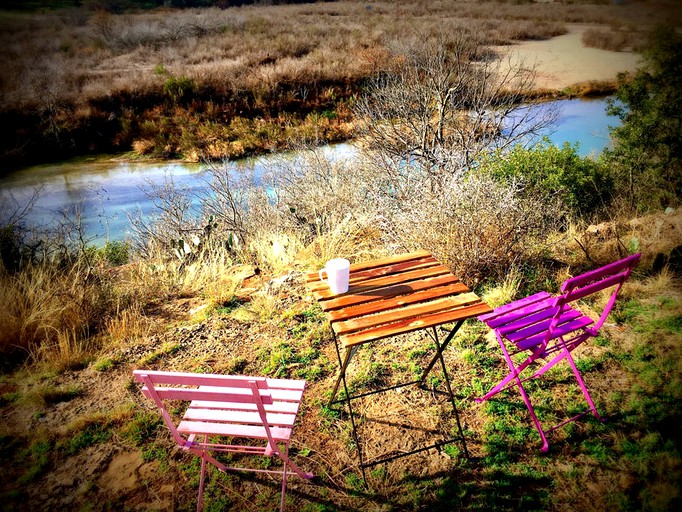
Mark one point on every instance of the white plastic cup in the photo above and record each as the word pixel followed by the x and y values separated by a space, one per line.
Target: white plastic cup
pixel 338 271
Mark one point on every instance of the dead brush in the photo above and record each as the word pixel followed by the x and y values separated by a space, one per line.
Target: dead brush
pixel 49 311
pixel 610 39
pixel 478 228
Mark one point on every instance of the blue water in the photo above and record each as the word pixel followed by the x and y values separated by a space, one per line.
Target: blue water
pixel 106 191
pixel 582 122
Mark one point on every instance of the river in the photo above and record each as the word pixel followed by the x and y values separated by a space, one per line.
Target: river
pixel 105 190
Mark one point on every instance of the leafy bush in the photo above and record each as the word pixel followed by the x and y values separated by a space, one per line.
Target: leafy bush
pixel 179 88
pixel 647 157
pixel 581 184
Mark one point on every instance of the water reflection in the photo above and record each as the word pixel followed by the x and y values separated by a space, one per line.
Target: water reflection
pixel 106 191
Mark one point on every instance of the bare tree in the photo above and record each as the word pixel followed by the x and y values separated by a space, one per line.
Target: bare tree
pixel 444 101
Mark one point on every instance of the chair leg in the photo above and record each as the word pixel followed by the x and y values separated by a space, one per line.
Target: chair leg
pixel 582 385
pixel 284 486
pixel 515 372
pixel 201 479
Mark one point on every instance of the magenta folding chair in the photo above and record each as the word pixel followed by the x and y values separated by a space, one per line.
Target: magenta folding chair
pixel 226 414
pixel 548 328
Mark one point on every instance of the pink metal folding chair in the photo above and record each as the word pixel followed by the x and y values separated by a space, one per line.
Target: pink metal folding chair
pixel 549 328
pixel 226 411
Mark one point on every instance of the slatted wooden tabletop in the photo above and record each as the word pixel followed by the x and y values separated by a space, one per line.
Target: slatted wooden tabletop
pixel 393 296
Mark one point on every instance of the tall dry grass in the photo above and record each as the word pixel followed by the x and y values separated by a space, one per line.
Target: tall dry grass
pixel 86 56
pixel 50 309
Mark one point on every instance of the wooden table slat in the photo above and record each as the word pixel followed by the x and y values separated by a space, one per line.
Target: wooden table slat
pixel 358 278
pixel 356 267
pixel 413 296
pixel 403 278
pixel 412 311
pixel 405 326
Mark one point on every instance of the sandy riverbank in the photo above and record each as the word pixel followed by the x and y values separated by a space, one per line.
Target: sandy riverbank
pixel 564 60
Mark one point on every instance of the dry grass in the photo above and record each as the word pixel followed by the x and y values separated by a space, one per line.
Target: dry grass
pixel 49 309
pixel 116 72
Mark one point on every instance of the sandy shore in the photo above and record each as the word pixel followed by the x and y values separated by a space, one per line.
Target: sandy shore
pixel 564 60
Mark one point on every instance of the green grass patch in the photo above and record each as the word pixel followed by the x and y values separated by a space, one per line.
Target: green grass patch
pixel 142 429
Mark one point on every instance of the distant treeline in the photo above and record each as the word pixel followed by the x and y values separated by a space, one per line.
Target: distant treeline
pixel 118 6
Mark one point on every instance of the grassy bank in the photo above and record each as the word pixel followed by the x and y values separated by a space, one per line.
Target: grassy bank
pixel 213 83
pixel 78 433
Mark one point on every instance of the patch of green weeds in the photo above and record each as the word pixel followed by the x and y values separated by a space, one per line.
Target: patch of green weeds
pixel 142 429
pixel 285 358
pixel 369 374
pixel 329 414
pixel 167 349
pixel 626 312
pixel 9 398
pixel 226 308
pixel 38 457
pixel 355 483
pixel 93 433
pixel 452 451
pixel 602 341
pixel 152 453
pixel 588 364
pixel 599 451
pixel 670 323
pixel 104 364
pixel 278 359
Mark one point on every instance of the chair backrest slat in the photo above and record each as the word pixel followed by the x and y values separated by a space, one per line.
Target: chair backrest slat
pixel 626 264
pixel 215 394
pixel 583 291
pixel 202 379
pixel 275 407
pixel 612 275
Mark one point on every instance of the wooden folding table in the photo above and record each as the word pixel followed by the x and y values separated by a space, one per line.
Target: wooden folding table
pixel 392 296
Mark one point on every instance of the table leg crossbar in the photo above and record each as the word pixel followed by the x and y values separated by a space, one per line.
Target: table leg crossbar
pixel 343 363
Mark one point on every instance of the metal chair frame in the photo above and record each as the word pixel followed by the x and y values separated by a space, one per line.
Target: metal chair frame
pixel 549 328
pixel 232 407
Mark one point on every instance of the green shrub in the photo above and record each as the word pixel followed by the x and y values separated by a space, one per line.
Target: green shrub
pixel 179 88
pixel 547 170
pixel 116 252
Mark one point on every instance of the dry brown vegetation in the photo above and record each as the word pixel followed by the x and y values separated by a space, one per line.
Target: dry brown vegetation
pixel 211 83
pixel 224 292
pixel 83 436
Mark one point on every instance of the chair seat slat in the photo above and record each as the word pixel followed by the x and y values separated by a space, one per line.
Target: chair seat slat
pixel 235 395
pixel 562 330
pixel 502 310
pixel 274 407
pixel 283 395
pixel 522 312
pixel 237 417
pixel 279 434
pixel 526 321
pixel 542 326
